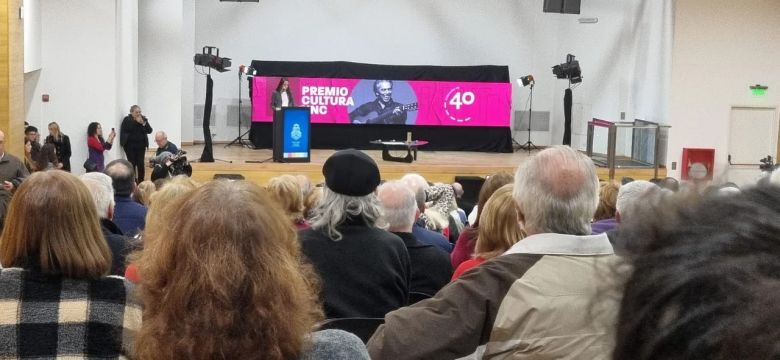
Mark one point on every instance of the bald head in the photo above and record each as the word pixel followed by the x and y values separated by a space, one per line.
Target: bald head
pixel 398 205
pixel 160 138
pixel 557 192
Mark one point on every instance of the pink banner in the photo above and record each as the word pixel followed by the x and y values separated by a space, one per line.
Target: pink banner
pixel 345 101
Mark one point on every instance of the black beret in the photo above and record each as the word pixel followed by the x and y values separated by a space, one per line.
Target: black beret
pixel 351 172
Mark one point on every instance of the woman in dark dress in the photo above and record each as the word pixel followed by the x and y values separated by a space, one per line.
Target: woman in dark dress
pixel 61 143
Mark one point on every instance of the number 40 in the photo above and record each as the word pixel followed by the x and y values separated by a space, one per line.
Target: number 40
pixel 462 98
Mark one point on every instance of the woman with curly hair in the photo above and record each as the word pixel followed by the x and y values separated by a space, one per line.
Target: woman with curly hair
pixel 226 281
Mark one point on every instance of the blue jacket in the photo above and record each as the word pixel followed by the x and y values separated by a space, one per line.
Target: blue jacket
pixel 429 237
pixel 129 215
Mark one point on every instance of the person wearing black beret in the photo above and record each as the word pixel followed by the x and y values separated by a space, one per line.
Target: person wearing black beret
pixel 365 270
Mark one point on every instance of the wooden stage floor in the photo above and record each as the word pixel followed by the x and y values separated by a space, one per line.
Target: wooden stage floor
pixel 435 166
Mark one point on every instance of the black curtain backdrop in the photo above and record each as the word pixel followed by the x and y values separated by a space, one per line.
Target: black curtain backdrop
pixel 341 136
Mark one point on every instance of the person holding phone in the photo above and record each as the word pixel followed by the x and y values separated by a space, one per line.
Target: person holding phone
pixel 134 140
pixel 96 146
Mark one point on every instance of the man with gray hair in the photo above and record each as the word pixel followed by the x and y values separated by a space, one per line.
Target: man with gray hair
pixel 418 185
pixel 431 267
pixel 365 270
pixel 102 190
pixel 543 298
pixel 629 197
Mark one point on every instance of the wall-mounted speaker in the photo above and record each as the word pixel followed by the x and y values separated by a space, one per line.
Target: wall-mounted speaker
pixel 562 6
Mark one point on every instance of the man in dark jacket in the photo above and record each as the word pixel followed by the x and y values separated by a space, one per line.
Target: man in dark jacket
pixel 365 270
pixel 431 267
pixel 102 191
pixel 129 215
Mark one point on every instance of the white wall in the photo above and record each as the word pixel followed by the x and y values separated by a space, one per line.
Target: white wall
pixel 32 35
pixel 159 63
pixel 721 48
pixel 455 32
pixel 80 70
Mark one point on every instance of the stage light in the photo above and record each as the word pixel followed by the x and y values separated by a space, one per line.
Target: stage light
pixel 527 80
pixel 569 70
pixel 209 59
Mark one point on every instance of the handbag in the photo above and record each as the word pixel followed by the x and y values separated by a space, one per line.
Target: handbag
pixel 90 165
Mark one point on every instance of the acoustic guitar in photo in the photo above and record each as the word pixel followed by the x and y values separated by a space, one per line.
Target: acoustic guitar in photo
pixel 383 117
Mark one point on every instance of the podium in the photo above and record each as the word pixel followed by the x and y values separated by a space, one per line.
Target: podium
pixel 291 135
pixel 410 146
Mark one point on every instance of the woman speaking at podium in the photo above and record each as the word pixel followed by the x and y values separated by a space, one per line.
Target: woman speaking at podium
pixel 282 97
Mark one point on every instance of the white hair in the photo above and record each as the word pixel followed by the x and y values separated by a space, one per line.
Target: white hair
pixel 398 205
pixel 557 192
pixel 629 195
pixel 417 184
pixel 102 189
pixel 334 209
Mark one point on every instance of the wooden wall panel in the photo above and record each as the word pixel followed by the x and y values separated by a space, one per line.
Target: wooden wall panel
pixel 12 75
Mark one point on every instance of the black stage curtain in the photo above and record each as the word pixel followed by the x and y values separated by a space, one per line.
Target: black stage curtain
pixel 341 136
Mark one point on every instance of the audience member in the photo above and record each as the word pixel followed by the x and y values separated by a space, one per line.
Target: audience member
pixel 175 188
pixel 365 270
pixel 431 268
pixel 546 285
pixel 704 285
pixel 134 140
pixel 670 183
pixel 417 184
pixel 12 170
pixel 499 229
pixel 129 215
pixel 286 192
pixel 464 246
pixel 99 185
pixel 56 299
pixel 143 192
pixel 604 218
pixel 254 298
pixel 46 158
pixel 311 201
pixel 61 144
pixel 96 146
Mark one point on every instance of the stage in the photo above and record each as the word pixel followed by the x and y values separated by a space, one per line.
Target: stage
pixel 436 166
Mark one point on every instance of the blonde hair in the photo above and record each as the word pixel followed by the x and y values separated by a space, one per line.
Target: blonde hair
pixel 175 188
pixel 226 281
pixel 52 223
pixel 608 193
pixel 499 228
pixel 286 191
pixel 54 124
pixel 144 192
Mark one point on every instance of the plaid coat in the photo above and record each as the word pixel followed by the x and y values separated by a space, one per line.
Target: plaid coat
pixel 49 316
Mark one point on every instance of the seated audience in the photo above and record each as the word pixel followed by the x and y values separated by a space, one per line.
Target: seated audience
pixel 630 196
pixel 57 301
pixel 548 287
pixel 175 188
pixel 129 215
pixel 211 294
pixel 365 270
pixel 311 202
pixel 143 192
pixel 705 282
pixel 286 192
pixel 46 159
pixel 419 231
pixel 431 268
pixel 604 218
pixel 440 201
pixel 99 185
pixel 12 170
pixel 499 229
pixel 464 247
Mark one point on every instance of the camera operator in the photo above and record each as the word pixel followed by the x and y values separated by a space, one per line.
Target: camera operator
pixel 163 144
pixel 167 164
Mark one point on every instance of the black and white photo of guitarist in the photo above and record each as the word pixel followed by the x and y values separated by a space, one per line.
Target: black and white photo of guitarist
pixel 383 110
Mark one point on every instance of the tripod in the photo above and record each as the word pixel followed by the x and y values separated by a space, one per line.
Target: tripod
pixel 240 139
pixel 529 145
